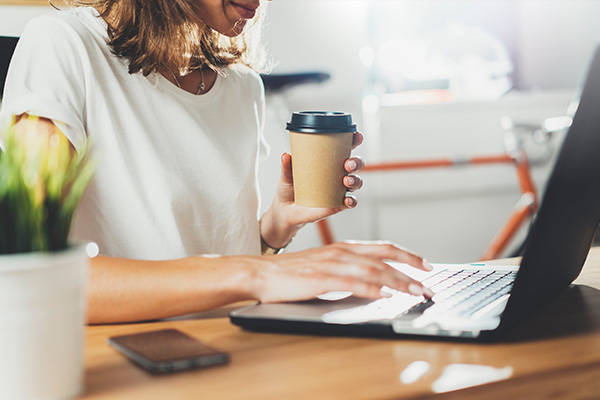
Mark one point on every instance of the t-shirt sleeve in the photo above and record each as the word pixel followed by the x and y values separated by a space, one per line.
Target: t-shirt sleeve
pixel 45 78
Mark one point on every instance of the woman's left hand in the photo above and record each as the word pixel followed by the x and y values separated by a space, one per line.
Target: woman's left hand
pixel 284 218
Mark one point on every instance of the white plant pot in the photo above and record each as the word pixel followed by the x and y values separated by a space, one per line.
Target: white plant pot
pixel 42 320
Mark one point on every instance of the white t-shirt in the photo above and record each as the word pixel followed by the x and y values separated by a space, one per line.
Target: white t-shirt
pixel 178 172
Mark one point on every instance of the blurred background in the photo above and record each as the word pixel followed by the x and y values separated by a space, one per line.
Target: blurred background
pixel 425 79
pixel 430 79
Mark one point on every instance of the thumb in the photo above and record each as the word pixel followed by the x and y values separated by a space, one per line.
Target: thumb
pixel 286 168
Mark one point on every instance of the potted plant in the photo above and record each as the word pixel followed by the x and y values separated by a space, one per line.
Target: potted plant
pixel 42 275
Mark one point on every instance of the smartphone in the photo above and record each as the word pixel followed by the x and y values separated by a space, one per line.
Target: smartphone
pixel 167 350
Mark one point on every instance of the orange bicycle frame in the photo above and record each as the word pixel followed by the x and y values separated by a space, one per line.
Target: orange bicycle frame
pixel 525 207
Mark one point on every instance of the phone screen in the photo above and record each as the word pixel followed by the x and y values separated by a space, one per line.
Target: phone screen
pixel 167 350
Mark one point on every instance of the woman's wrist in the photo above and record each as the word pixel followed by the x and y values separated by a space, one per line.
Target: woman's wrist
pixel 275 233
pixel 267 250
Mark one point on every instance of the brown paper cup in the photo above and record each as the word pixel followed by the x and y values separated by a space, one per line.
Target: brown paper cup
pixel 318 167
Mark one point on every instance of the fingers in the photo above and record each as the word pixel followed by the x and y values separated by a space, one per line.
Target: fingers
pixel 354 164
pixel 371 271
pixel 355 267
pixel 350 202
pixel 351 165
pixel 389 251
pixel 286 167
pixel 357 287
pixel 361 269
pixel 323 283
pixel 357 139
pixel 352 182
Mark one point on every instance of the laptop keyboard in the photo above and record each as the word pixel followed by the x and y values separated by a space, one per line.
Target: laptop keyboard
pixel 463 293
pixel 459 294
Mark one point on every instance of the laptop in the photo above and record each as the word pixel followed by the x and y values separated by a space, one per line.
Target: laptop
pixel 477 301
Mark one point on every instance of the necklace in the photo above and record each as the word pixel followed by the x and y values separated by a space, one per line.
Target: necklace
pixel 201 85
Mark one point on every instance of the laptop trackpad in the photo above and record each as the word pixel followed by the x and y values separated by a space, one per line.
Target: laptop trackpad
pixel 347 310
pixel 310 310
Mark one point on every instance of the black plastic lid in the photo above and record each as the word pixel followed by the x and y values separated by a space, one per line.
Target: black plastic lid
pixel 321 122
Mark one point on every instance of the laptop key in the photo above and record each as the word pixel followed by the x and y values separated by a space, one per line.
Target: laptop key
pixel 473 292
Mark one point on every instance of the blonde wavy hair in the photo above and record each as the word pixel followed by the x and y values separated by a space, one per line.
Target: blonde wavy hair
pixel 156 34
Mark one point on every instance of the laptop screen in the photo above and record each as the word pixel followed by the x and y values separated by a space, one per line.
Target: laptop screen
pixel 568 217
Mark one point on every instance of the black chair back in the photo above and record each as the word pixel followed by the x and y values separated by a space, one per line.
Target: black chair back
pixel 7 48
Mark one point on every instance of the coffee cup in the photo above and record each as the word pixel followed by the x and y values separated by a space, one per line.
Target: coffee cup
pixel 321 141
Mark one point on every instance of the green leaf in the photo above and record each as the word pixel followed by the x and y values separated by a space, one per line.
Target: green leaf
pixel 41 184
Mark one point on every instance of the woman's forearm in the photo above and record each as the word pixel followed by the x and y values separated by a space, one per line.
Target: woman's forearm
pixel 136 290
pixel 123 290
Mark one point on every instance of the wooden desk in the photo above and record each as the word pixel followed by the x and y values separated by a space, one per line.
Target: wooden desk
pixel 546 357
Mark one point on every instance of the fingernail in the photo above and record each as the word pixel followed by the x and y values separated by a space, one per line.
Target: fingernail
pixel 428 292
pixel 427 266
pixel 351 181
pixel 352 164
pixel 416 289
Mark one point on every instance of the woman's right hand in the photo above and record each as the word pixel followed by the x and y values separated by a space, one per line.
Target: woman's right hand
pixel 358 267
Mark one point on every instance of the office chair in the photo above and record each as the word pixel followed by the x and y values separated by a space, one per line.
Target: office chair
pixel 7 48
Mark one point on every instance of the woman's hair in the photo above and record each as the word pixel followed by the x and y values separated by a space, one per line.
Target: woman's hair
pixel 156 34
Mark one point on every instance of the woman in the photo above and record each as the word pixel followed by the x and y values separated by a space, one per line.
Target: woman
pixel 163 90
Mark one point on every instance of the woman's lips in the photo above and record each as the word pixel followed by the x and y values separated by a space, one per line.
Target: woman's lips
pixel 246 12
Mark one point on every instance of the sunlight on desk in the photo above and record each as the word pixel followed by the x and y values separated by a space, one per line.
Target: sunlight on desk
pixel 414 372
pixel 461 376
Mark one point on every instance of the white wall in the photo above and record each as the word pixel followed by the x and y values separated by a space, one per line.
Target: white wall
pixel 14 18
pixel 556 40
pixel 317 35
